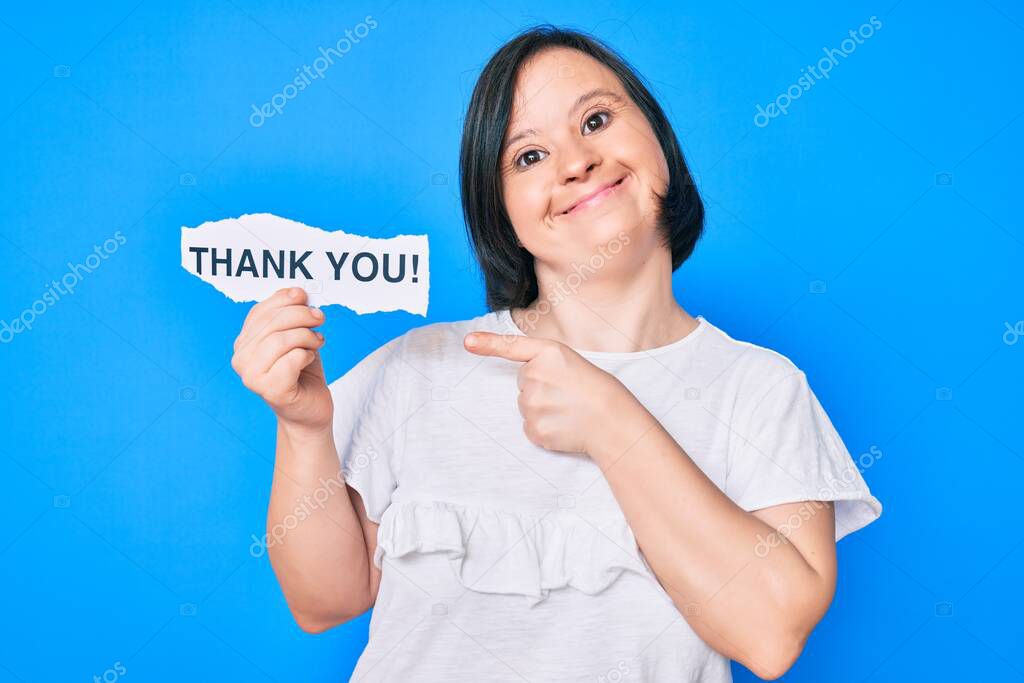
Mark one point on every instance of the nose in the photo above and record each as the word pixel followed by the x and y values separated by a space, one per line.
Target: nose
pixel 578 160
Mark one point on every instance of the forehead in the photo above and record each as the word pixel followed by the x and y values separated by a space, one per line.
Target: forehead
pixel 549 83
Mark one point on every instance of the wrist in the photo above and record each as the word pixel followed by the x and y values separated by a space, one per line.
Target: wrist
pixel 619 423
pixel 303 434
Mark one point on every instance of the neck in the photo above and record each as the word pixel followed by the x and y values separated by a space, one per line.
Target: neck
pixel 625 309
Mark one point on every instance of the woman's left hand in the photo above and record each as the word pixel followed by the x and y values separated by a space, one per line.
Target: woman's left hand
pixel 566 401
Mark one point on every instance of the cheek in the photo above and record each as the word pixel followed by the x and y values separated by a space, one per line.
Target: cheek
pixel 661 168
pixel 647 157
pixel 526 201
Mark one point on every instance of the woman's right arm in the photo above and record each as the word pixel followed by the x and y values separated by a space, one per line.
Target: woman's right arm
pixel 319 540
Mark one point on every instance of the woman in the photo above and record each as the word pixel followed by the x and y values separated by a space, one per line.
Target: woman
pixel 585 483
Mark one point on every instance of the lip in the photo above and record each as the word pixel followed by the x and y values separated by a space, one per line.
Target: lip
pixel 595 197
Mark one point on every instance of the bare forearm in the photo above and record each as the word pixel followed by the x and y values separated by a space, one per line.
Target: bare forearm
pixel 701 546
pixel 314 538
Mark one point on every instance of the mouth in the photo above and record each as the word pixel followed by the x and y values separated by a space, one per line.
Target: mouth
pixel 595 197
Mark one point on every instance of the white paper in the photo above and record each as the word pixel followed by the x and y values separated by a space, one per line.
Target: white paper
pixel 267 252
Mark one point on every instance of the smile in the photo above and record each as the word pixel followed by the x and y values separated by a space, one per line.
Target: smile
pixel 596 198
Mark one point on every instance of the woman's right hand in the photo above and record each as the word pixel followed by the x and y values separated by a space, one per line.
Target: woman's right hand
pixel 277 356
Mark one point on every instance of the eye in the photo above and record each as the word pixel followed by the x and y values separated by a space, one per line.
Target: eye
pixel 596 121
pixel 530 157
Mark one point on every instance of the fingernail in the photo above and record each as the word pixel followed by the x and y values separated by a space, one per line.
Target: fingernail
pixel 294 293
pixel 319 336
pixel 472 340
pixel 317 313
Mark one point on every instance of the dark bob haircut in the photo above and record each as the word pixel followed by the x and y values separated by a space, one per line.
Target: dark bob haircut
pixel 507 266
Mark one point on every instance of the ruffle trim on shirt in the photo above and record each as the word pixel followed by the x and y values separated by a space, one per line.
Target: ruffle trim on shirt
pixel 493 551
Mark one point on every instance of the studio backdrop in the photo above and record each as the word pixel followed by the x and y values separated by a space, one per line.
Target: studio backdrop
pixel 860 164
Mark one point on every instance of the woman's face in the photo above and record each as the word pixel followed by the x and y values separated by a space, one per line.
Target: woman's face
pixel 575 131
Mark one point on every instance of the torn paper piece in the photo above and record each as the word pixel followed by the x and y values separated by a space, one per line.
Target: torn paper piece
pixel 250 257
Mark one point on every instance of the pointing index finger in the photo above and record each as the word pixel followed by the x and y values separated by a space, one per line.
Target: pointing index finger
pixel 509 346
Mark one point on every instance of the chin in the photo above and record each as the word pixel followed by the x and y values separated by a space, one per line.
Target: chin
pixel 619 226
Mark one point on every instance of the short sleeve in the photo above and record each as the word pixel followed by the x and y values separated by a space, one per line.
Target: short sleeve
pixel 366 424
pixel 787 450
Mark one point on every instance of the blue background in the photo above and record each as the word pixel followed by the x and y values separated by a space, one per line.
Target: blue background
pixel 870 235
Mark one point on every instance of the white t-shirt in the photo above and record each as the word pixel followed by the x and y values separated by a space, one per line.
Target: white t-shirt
pixel 503 561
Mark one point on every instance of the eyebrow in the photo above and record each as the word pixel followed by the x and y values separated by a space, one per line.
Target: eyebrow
pixel 583 99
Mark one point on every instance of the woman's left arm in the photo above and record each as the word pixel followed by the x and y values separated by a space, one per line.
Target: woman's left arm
pixel 752 592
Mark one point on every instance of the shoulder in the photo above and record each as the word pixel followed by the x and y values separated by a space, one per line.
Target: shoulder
pixel 440 338
pixel 442 342
pixel 427 346
pixel 750 369
pixel 416 357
